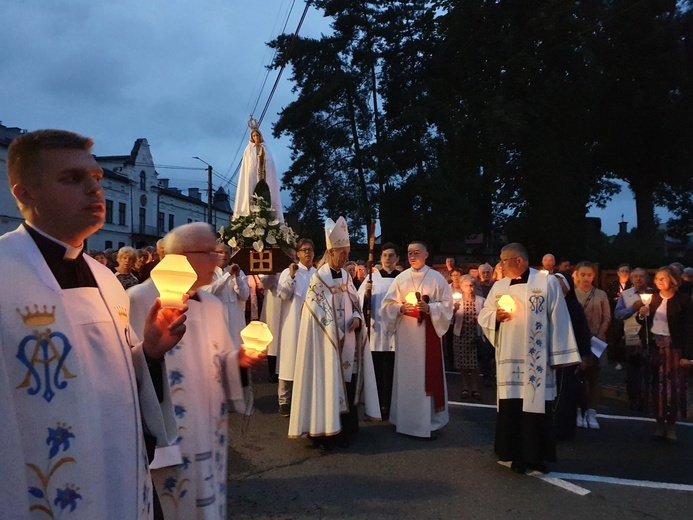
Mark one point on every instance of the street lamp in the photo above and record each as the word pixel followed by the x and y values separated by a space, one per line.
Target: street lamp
pixel 209 189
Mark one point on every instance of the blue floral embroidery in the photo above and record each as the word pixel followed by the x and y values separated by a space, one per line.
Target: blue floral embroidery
pixel 170 484
pixel 186 463
pixel 58 437
pixel 179 410
pixel 535 359
pixel 67 497
pixel 175 377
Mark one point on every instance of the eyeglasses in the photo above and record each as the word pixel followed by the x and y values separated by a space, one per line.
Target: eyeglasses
pixel 306 250
pixel 503 260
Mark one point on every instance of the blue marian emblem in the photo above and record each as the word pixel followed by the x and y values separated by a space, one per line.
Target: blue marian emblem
pixel 536 302
pixel 41 348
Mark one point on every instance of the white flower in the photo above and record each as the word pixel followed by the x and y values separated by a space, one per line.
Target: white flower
pixel 270 239
pixel 249 231
pixel 274 222
pixel 254 209
pixel 258 245
pixel 232 243
pixel 261 222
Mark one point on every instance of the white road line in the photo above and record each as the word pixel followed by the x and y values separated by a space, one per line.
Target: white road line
pixel 623 481
pixel 551 479
pixel 599 415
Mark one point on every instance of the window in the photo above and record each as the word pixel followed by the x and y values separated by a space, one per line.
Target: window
pixel 143 181
pixel 171 224
pixel 109 211
pixel 143 219
pixel 121 213
pixel 108 244
pixel 160 223
pixel 189 221
pixel 121 244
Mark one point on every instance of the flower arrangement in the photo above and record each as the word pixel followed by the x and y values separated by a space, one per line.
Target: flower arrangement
pixel 258 230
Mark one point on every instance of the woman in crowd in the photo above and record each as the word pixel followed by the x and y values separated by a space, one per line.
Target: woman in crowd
pixel 595 303
pixel 126 261
pixel 668 340
pixel 466 334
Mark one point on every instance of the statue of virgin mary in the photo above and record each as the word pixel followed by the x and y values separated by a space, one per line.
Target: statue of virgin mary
pixel 257 176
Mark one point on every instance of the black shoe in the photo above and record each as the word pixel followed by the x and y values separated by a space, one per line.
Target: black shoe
pixel 518 467
pixel 285 410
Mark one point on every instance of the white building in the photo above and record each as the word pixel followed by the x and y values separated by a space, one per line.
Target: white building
pixel 140 207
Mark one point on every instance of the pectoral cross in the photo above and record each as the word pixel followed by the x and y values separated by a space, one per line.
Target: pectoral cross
pixel 518 373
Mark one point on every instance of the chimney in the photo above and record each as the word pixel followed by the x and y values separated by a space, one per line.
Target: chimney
pixel 195 193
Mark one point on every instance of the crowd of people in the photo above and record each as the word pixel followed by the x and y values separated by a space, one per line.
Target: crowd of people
pixel 115 407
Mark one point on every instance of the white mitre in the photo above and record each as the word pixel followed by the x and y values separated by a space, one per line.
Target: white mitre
pixel 336 233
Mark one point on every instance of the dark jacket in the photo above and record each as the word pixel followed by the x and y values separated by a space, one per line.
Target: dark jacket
pixel 679 319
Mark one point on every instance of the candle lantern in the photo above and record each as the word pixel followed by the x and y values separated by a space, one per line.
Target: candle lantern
pixel 457 297
pixel 256 336
pixel 411 298
pixel 507 303
pixel 646 299
pixel 173 277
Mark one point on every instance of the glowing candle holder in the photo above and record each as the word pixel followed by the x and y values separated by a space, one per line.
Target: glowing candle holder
pixel 507 303
pixel 457 297
pixel 173 277
pixel 646 299
pixel 411 298
pixel 256 336
pixel 544 271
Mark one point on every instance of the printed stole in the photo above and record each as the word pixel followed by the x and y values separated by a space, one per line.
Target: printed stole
pixel 434 385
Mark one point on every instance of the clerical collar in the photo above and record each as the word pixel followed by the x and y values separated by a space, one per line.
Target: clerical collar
pixel 69 252
pixel 419 270
pixel 336 273
pixel 385 274
pixel 523 278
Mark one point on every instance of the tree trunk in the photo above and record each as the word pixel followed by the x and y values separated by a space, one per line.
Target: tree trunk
pixel 643 190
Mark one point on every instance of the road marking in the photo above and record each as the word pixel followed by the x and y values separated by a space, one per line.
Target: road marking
pixel 623 481
pixel 599 415
pixel 552 479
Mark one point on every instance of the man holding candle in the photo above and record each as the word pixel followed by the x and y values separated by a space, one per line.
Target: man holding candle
pixel 532 334
pixel 334 369
pixel 203 371
pixel 417 309
pixel 629 303
pixel 78 390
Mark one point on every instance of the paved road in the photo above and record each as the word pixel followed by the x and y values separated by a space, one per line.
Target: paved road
pixel 386 475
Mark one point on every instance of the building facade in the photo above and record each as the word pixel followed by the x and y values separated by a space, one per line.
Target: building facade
pixel 140 207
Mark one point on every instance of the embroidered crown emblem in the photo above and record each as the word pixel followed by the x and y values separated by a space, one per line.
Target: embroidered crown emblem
pixel 38 317
pixel 536 290
pixel 122 312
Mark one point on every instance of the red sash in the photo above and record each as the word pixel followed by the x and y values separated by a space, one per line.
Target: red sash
pixel 435 386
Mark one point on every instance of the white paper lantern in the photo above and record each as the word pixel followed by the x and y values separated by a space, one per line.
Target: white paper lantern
pixel 173 277
pixel 256 336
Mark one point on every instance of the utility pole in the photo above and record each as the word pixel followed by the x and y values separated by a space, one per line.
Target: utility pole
pixel 209 189
pixel 209 194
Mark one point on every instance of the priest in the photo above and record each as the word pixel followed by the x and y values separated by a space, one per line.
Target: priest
pixel 78 390
pixel 417 309
pixel 334 369
pixel 190 476
pixel 526 319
